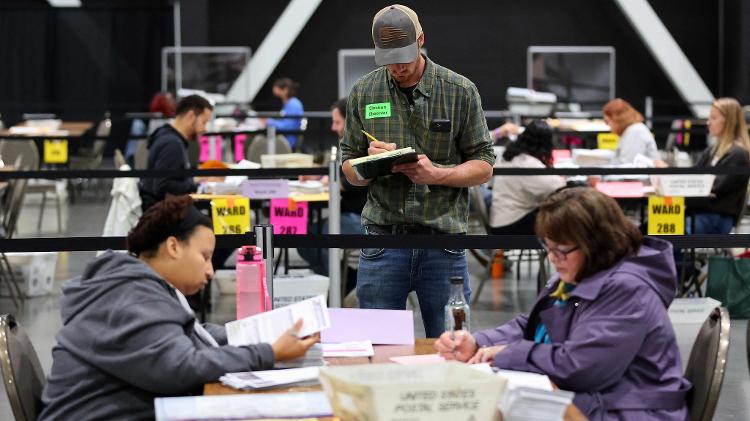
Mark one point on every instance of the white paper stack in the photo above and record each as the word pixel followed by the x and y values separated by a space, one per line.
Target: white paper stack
pixel 271 378
pixel 243 406
pixel 269 326
pixel 307 186
pixel 527 404
pixel 312 358
pixel 349 349
pixel 592 157
pixel 518 379
pixel 530 397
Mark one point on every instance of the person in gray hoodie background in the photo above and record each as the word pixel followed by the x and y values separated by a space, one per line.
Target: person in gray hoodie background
pixel 128 334
pixel 600 326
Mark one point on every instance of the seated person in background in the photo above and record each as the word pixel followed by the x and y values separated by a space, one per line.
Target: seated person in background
pixel 128 335
pixel 515 199
pixel 635 137
pixel 353 199
pixel 162 102
pixel 286 90
pixel 600 326
pixel 727 124
pixel 167 150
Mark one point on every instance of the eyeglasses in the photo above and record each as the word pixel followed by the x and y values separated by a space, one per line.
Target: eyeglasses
pixel 559 254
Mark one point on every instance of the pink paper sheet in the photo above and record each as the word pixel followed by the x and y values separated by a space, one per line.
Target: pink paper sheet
pixel 621 188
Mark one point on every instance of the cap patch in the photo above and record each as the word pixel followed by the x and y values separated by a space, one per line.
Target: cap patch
pixel 389 35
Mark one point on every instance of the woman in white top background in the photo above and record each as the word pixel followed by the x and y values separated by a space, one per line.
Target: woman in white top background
pixel 515 199
pixel 635 137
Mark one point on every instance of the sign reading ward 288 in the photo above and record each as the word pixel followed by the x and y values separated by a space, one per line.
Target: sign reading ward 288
pixel 666 215
pixel 231 216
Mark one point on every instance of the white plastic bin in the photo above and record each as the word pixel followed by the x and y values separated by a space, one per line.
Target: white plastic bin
pixel 687 316
pixel 292 288
pixel 34 271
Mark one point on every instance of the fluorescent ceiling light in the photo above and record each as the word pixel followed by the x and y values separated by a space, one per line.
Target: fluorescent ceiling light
pixel 64 3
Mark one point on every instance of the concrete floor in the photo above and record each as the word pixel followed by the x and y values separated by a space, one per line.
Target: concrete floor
pixel 499 302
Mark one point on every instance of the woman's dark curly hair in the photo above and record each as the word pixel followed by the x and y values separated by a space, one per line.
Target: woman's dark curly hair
pixel 536 141
pixel 174 216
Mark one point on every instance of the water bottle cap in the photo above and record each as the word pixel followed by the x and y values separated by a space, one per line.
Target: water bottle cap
pixel 249 253
pixel 457 280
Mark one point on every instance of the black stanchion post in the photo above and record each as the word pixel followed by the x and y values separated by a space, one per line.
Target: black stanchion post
pixel 264 240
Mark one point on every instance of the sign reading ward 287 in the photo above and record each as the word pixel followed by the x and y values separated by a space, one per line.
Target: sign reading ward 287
pixel 231 216
pixel 666 215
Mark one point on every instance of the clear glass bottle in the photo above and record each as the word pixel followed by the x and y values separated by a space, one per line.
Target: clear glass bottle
pixel 457 312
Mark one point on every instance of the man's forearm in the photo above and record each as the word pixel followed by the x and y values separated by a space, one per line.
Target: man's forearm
pixel 351 176
pixel 470 173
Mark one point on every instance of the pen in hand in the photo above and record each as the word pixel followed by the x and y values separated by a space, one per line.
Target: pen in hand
pixel 455 346
pixel 369 136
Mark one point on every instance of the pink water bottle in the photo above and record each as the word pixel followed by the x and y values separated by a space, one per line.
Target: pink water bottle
pixel 252 293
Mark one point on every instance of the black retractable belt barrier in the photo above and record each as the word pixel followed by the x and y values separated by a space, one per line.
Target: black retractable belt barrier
pixel 250 173
pixel 294 172
pixel 23 245
pixel 621 171
pixel 360 241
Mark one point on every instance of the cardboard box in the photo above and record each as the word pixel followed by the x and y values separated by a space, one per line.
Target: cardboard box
pixel 684 185
pixel 437 392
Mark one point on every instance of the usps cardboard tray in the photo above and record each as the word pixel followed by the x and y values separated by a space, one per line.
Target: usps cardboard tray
pixel 436 392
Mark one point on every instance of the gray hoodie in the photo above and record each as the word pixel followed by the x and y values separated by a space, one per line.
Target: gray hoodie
pixel 126 340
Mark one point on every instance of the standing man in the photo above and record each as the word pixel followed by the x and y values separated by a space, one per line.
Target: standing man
pixel 167 150
pixel 438 113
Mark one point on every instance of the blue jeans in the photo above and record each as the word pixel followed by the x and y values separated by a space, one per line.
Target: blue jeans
pixel 386 276
pixel 713 223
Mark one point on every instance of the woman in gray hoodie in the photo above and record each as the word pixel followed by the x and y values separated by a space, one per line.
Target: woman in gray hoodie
pixel 129 336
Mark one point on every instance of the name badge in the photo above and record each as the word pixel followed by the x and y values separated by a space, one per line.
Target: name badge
pixel 377 110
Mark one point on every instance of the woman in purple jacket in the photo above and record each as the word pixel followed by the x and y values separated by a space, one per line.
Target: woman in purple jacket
pixel 600 326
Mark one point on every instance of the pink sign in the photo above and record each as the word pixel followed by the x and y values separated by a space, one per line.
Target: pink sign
pixel 288 216
pixel 621 188
pixel 560 154
pixel 239 147
pixel 205 144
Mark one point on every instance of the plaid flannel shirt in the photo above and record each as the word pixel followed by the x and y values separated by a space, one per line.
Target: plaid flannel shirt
pixel 441 94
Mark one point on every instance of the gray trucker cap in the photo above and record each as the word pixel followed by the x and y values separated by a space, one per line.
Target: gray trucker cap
pixel 395 30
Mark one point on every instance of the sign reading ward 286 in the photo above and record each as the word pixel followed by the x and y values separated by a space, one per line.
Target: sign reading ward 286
pixel 666 215
pixel 231 216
